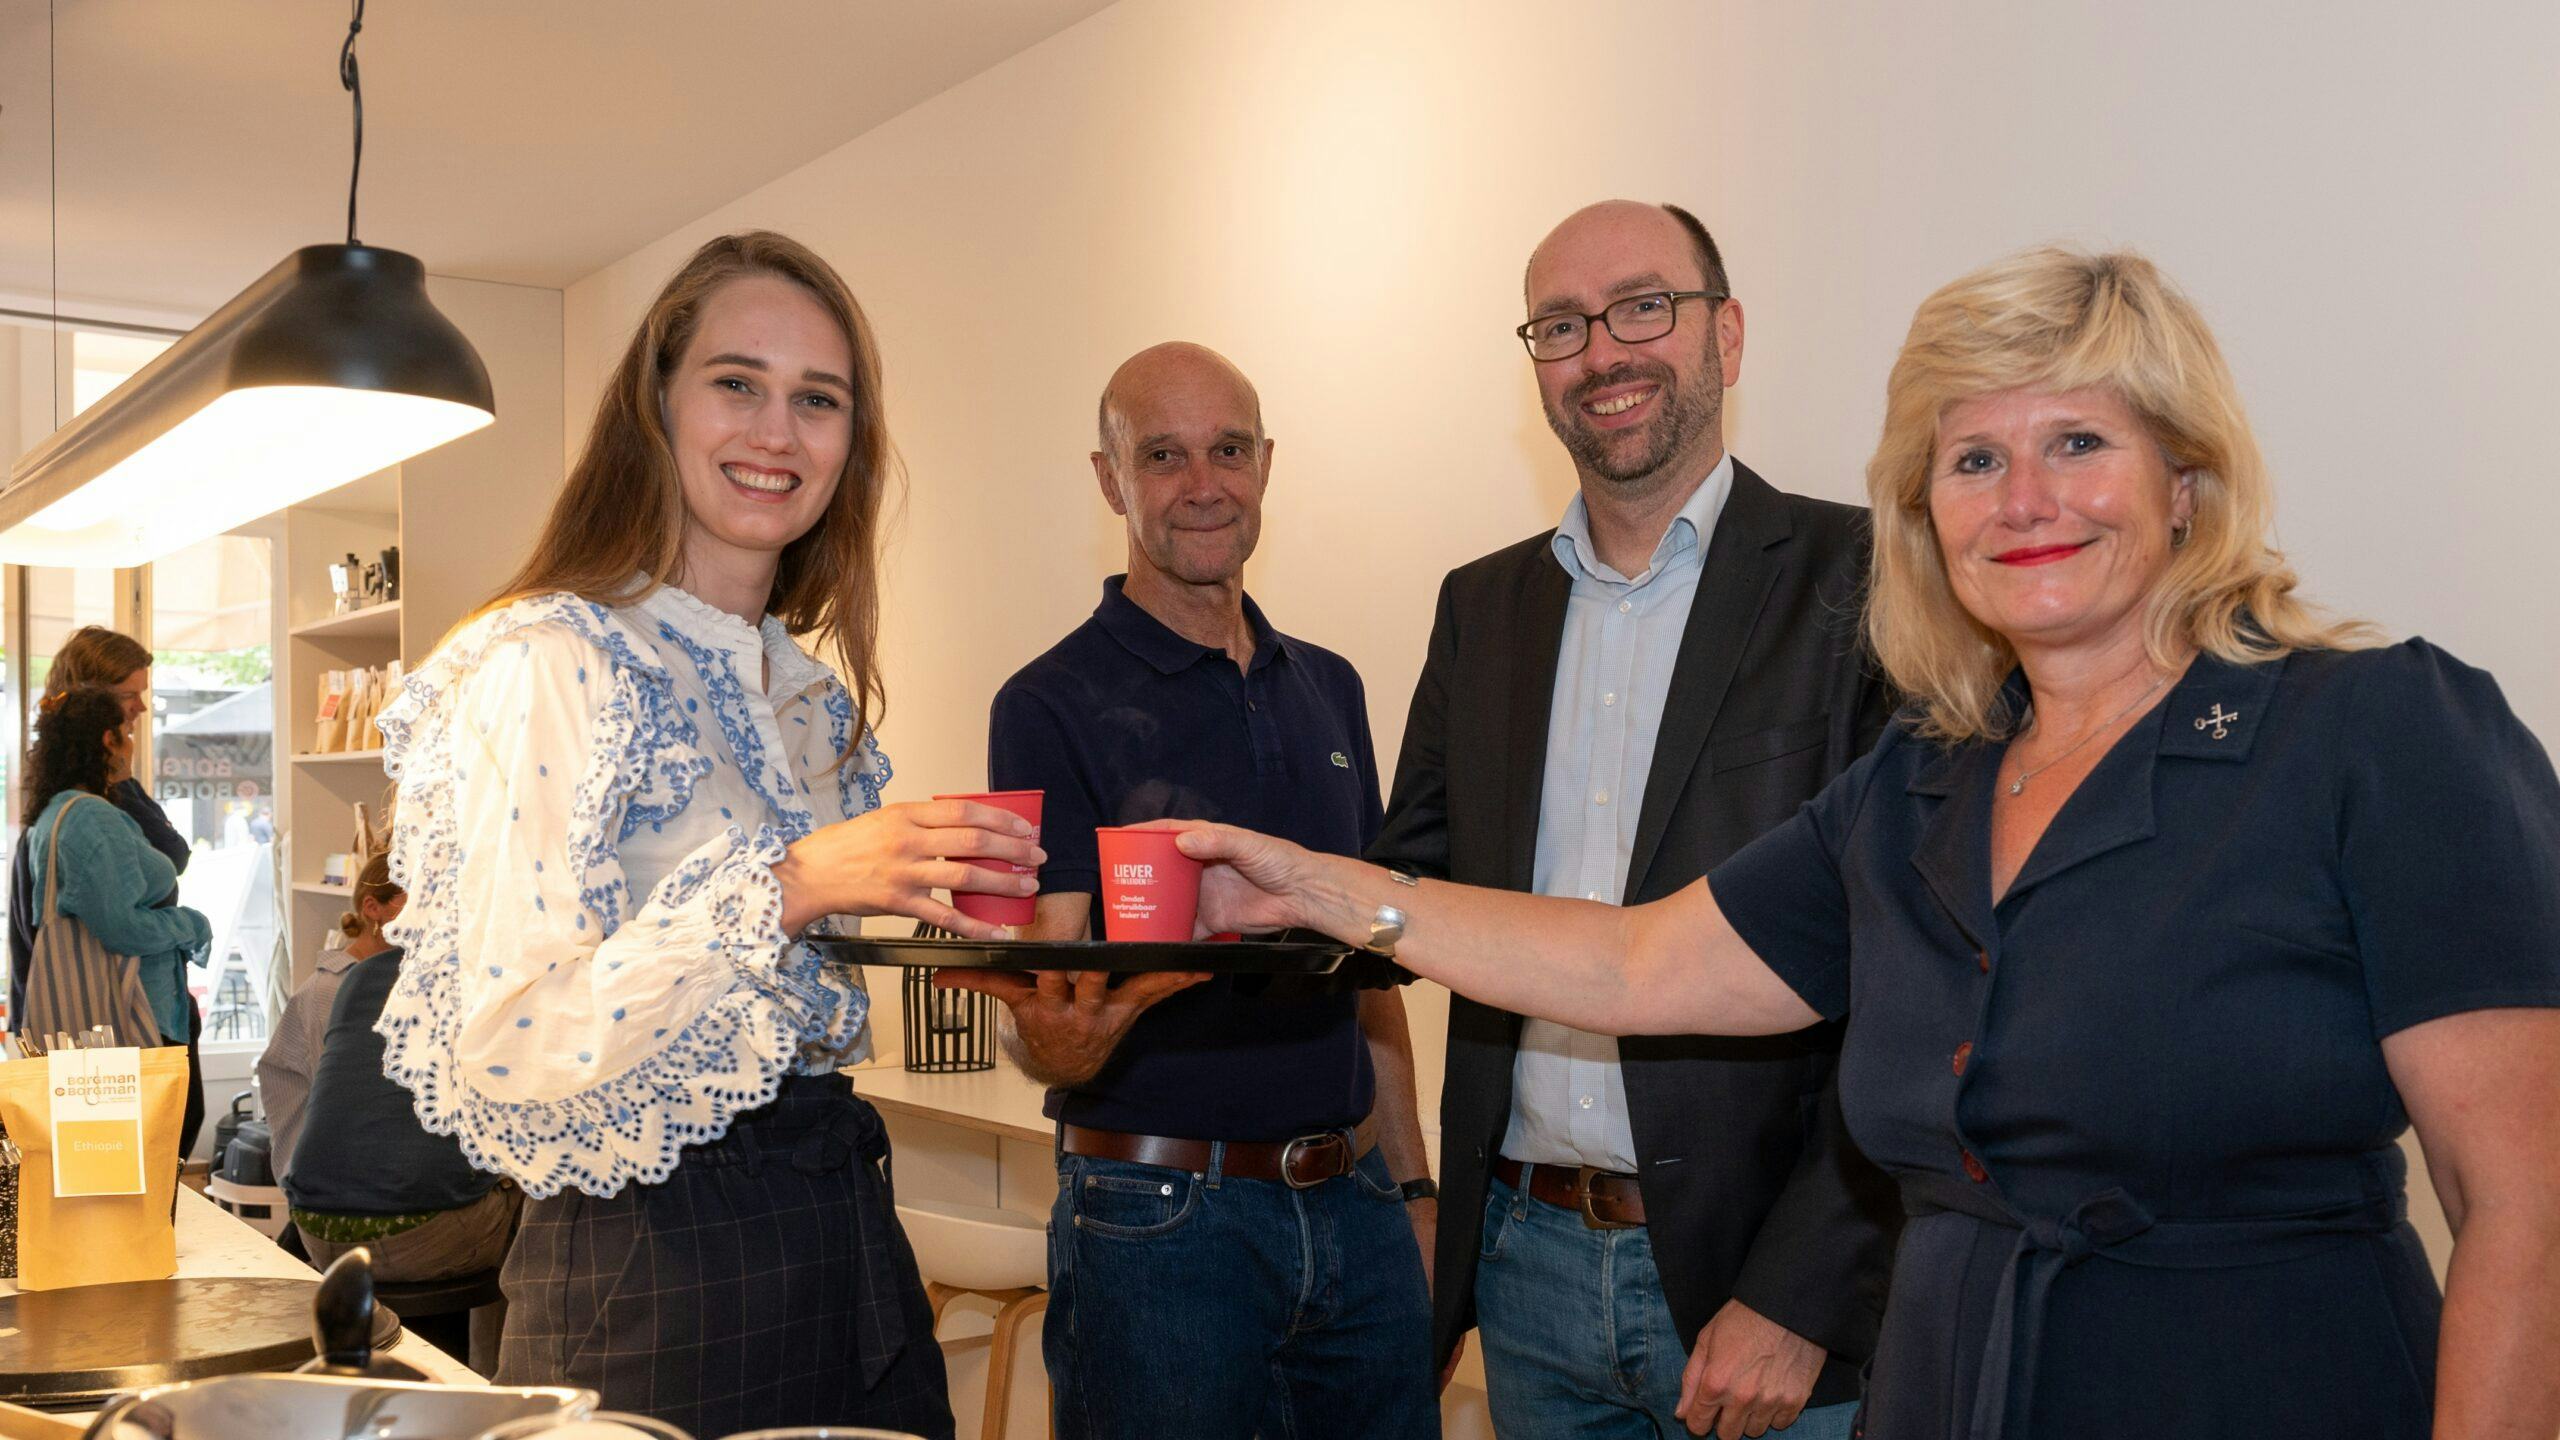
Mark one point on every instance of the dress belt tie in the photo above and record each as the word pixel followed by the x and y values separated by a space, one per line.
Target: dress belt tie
pixel 2114 1224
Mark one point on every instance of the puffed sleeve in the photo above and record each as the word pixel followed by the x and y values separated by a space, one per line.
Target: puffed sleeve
pixel 2449 848
pixel 566 1031
pixel 1784 893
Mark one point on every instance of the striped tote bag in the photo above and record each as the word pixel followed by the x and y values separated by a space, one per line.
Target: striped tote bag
pixel 73 980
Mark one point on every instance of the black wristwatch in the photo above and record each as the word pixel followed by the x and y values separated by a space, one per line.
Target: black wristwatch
pixel 1425 1188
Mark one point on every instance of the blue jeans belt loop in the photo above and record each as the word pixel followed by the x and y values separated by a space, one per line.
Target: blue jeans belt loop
pixel 2115 1225
pixel 1301 1163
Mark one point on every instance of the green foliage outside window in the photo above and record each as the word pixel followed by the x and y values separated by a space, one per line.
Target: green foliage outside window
pixel 243 667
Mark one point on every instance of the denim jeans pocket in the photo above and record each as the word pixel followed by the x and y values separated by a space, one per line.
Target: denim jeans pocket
pixel 1374 1178
pixel 1135 1203
pixel 1497 1221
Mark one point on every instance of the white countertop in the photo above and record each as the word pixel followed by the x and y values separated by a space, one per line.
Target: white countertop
pixel 1002 1101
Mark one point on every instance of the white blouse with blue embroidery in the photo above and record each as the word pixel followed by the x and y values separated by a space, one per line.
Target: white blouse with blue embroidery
pixel 591 801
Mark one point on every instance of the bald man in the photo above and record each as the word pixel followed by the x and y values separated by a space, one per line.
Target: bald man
pixel 1244 1209
pixel 1606 710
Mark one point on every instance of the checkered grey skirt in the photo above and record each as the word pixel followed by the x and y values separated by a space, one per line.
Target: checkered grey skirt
pixel 764 1283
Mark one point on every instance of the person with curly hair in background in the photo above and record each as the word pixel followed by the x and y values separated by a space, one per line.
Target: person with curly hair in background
pixel 88 859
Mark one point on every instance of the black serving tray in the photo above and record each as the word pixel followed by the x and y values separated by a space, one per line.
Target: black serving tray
pixel 1232 957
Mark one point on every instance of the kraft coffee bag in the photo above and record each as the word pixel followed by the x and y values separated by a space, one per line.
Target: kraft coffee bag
pixel 96 1239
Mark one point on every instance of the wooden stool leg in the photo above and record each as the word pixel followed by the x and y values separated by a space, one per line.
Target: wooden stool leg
pixel 1000 1360
pixel 941 1297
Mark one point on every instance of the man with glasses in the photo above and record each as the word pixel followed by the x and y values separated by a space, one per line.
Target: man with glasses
pixel 1607 710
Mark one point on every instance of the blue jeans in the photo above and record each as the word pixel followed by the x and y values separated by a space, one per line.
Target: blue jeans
pixel 1577 1338
pixel 1194 1307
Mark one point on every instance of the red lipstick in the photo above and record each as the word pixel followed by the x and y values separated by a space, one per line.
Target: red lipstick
pixel 2038 554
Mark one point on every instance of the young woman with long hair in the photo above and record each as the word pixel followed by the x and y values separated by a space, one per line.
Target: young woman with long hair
pixel 625 793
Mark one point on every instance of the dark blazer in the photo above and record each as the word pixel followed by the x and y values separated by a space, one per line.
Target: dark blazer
pixel 1751 1187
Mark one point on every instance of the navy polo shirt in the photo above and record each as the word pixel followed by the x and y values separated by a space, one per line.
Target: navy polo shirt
pixel 1125 721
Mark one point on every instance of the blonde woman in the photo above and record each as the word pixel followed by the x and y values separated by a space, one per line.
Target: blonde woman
pixel 625 792
pixel 2162 914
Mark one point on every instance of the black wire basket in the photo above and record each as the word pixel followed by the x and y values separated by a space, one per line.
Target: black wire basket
pixel 948 1032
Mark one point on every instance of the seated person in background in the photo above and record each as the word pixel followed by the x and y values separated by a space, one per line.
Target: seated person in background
pixel 284 1070
pixel 364 1171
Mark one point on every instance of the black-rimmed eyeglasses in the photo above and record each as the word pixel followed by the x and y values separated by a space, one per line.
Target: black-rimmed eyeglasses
pixel 1631 321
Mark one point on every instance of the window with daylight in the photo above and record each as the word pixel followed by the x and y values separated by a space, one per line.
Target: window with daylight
pixel 212 766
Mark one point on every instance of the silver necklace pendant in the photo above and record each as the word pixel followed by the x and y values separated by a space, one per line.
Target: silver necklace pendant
pixel 2019 785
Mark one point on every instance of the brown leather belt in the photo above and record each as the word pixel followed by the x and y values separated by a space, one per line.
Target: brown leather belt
pixel 1605 1199
pixel 1301 1164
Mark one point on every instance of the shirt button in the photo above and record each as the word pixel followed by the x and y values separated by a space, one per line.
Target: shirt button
pixel 1963 1056
pixel 1586 1102
pixel 1973 1170
pixel 1609 699
pixel 1590 894
pixel 1599 797
pixel 1982 961
pixel 1625 605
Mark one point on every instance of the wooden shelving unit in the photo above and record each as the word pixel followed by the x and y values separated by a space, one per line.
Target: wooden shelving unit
pixel 324 787
pixel 374 622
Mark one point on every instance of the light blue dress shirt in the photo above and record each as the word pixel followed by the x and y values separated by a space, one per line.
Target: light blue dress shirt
pixel 1613 674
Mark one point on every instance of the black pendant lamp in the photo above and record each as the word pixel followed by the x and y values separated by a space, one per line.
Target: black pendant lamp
pixel 329 367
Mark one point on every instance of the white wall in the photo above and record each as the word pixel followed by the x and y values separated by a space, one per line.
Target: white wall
pixel 1341 195
pixel 469 510
pixel 2361 200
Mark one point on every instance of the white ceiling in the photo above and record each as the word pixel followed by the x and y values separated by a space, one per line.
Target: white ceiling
pixel 530 141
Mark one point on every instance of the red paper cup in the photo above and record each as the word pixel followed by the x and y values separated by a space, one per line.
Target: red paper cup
pixel 1150 890
pixel 999 909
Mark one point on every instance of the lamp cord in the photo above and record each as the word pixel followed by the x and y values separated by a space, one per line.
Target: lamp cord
pixel 53 187
pixel 354 84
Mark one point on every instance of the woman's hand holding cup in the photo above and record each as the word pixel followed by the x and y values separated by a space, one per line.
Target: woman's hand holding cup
pixel 1252 883
pixel 890 861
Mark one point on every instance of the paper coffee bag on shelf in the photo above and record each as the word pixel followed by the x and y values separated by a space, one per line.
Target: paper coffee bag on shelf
pixel 360 707
pixel 330 724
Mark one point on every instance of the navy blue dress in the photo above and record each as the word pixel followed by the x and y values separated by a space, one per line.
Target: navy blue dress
pixel 2138 1110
